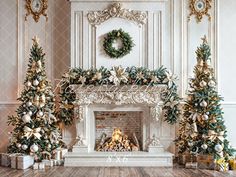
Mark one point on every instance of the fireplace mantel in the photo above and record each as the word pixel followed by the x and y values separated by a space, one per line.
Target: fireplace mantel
pixel 149 96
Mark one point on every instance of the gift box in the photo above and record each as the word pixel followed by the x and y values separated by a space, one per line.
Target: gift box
pixel 206 162
pixel 41 166
pixel 5 159
pixel 60 153
pixel 48 163
pixel 24 161
pixel 36 166
pixel 184 158
pixel 14 159
pixel 222 165
pixel 192 165
pixel 58 162
pixel 232 164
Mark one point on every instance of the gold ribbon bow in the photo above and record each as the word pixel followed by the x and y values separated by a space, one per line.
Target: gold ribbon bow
pixel 213 135
pixel 32 132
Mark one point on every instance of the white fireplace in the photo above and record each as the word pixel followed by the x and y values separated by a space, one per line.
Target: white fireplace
pixel 148 23
pixel 141 105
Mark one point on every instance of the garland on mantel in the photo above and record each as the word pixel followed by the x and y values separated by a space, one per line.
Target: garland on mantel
pixel 118 76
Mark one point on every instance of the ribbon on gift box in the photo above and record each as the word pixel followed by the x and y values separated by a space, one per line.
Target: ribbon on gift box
pixel 222 165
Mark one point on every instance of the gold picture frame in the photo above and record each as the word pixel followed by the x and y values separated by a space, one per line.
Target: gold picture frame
pixel 36 8
pixel 199 8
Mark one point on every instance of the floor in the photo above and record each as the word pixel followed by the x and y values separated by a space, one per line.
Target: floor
pixel 59 171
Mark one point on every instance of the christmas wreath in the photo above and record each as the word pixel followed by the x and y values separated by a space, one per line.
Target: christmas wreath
pixel 127 43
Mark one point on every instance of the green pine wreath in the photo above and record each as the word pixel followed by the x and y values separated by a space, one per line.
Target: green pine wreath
pixel 127 43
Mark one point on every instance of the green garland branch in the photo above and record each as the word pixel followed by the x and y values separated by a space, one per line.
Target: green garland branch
pixel 127 43
pixel 118 76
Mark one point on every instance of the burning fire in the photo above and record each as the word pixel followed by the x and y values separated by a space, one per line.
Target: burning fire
pixel 119 142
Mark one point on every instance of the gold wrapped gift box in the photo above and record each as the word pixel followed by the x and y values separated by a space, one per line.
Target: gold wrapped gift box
pixel 184 158
pixel 206 162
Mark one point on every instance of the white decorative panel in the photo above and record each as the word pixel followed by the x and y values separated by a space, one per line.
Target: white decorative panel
pixel 151 39
pixel 8 51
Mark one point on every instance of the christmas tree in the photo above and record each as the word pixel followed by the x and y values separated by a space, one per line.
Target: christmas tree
pixel 202 129
pixel 36 129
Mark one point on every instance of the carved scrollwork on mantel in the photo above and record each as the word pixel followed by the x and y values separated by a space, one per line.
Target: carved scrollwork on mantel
pixel 119 95
pixel 115 10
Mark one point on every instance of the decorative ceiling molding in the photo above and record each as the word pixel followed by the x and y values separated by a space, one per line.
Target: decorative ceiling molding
pixel 115 10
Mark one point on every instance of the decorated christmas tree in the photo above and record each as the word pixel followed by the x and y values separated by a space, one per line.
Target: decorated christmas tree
pixel 202 129
pixel 36 129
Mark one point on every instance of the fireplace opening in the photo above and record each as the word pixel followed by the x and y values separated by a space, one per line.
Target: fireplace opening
pixel 118 131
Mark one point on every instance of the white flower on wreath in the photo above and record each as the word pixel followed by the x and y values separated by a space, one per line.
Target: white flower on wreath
pixel 172 102
pixel 154 79
pixel 82 79
pixel 73 75
pixel 170 78
pixel 140 76
pixel 118 75
pixel 97 76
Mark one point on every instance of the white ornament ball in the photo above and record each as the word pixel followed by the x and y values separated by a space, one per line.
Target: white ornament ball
pixel 203 83
pixel 28 84
pixel 34 148
pixel 205 117
pixel 29 103
pixel 30 113
pixel 24 147
pixel 211 83
pixel 41 105
pixel 218 148
pixel 49 146
pixel 18 145
pixel 204 146
pixel 35 82
pixel 203 104
pixel 190 143
pixel 24 113
pixel 195 104
pixel 26 118
pixel 40 113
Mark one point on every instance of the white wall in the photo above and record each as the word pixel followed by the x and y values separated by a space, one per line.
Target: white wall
pixel 227 63
pixel 16 34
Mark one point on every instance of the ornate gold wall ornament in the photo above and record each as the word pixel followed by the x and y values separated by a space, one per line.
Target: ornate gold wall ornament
pixel 36 8
pixel 115 10
pixel 199 8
